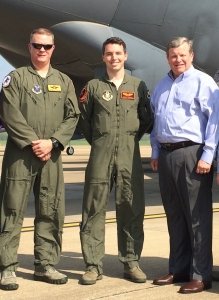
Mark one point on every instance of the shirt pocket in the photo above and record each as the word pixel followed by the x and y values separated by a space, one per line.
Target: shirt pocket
pixel 189 105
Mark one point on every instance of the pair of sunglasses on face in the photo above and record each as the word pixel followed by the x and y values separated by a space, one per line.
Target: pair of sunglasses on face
pixel 40 46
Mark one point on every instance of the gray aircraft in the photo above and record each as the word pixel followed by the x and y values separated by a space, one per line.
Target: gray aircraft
pixel 80 28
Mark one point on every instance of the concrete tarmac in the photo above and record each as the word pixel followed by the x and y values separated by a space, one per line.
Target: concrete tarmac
pixel 113 286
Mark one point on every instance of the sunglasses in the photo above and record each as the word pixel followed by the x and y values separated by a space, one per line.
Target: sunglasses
pixel 39 46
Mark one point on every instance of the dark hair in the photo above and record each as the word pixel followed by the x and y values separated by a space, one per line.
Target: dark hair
pixel 113 40
pixel 42 31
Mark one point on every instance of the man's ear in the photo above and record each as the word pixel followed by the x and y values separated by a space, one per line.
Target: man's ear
pixel 29 46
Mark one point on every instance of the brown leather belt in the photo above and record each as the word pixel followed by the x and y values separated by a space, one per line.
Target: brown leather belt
pixel 175 146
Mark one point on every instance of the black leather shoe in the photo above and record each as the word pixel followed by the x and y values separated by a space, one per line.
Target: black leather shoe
pixel 195 286
pixel 171 279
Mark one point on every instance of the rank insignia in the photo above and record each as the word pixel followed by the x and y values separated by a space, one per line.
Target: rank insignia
pixel 127 95
pixel 83 95
pixel 107 95
pixel 54 88
pixel 37 89
pixel 6 81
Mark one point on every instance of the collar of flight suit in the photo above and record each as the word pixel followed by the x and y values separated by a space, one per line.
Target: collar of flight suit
pixel 32 70
pixel 125 79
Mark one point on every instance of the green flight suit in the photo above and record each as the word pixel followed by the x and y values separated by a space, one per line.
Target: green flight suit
pixel 32 108
pixel 113 121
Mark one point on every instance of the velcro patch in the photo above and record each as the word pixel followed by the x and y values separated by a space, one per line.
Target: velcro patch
pixel 126 95
pixel 6 81
pixel 107 95
pixel 54 88
pixel 83 95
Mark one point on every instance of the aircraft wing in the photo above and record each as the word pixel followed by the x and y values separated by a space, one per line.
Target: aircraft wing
pixel 80 28
pixel 82 42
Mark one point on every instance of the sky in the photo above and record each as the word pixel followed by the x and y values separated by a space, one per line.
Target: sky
pixel 5 68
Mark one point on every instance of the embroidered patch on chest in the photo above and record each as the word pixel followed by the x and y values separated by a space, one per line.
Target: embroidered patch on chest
pixel 107 95
pixel 37 89
pixel 54 88
pixel 126 95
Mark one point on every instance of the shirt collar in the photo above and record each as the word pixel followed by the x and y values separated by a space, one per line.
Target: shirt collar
pixel 186 74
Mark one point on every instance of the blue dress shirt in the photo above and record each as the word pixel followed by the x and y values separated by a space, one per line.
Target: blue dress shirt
pixel 186 108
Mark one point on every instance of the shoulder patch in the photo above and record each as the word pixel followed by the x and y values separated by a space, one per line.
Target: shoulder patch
pixel 83 95
pixel 6 81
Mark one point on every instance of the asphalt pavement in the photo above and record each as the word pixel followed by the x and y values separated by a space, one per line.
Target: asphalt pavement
pixel 154 260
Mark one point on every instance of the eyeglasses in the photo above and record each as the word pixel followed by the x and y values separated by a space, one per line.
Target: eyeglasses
pixel 39 46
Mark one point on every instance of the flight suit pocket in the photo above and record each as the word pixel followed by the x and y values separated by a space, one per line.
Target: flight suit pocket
pixel 102 124
pixel 16 193
pixel 132 120
pixel 48 203
pixel 58 100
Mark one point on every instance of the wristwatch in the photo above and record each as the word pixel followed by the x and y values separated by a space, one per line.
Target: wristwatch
pixel 55 143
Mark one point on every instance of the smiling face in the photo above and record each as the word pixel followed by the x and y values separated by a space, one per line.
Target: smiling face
pixel 114 57
pixel 180 59
pixel 41 57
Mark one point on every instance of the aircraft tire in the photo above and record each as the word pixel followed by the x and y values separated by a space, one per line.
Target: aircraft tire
pixel 70 150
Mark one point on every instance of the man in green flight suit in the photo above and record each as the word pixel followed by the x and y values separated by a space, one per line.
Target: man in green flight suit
pixel 39 109
pixel 115 113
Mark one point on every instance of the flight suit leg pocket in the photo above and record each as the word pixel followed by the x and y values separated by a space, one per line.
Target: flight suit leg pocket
pixel 14 200
pixel 48 202
pixel 15 193
pixel 124 193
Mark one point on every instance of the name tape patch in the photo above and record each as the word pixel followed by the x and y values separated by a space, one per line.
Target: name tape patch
pixel 126 95
pixel 54 88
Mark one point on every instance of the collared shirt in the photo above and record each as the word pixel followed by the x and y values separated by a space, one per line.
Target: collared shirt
pixel 186 108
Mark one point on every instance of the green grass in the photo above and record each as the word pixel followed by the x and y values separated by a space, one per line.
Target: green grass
pixel 144 141
pixel 3 138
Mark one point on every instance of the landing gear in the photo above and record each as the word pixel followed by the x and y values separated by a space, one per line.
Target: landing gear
pixel 70 150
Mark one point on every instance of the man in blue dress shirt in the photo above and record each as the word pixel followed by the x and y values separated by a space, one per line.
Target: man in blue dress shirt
pixel 184 138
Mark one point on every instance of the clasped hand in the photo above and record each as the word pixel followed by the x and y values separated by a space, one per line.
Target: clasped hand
pixel 42 149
